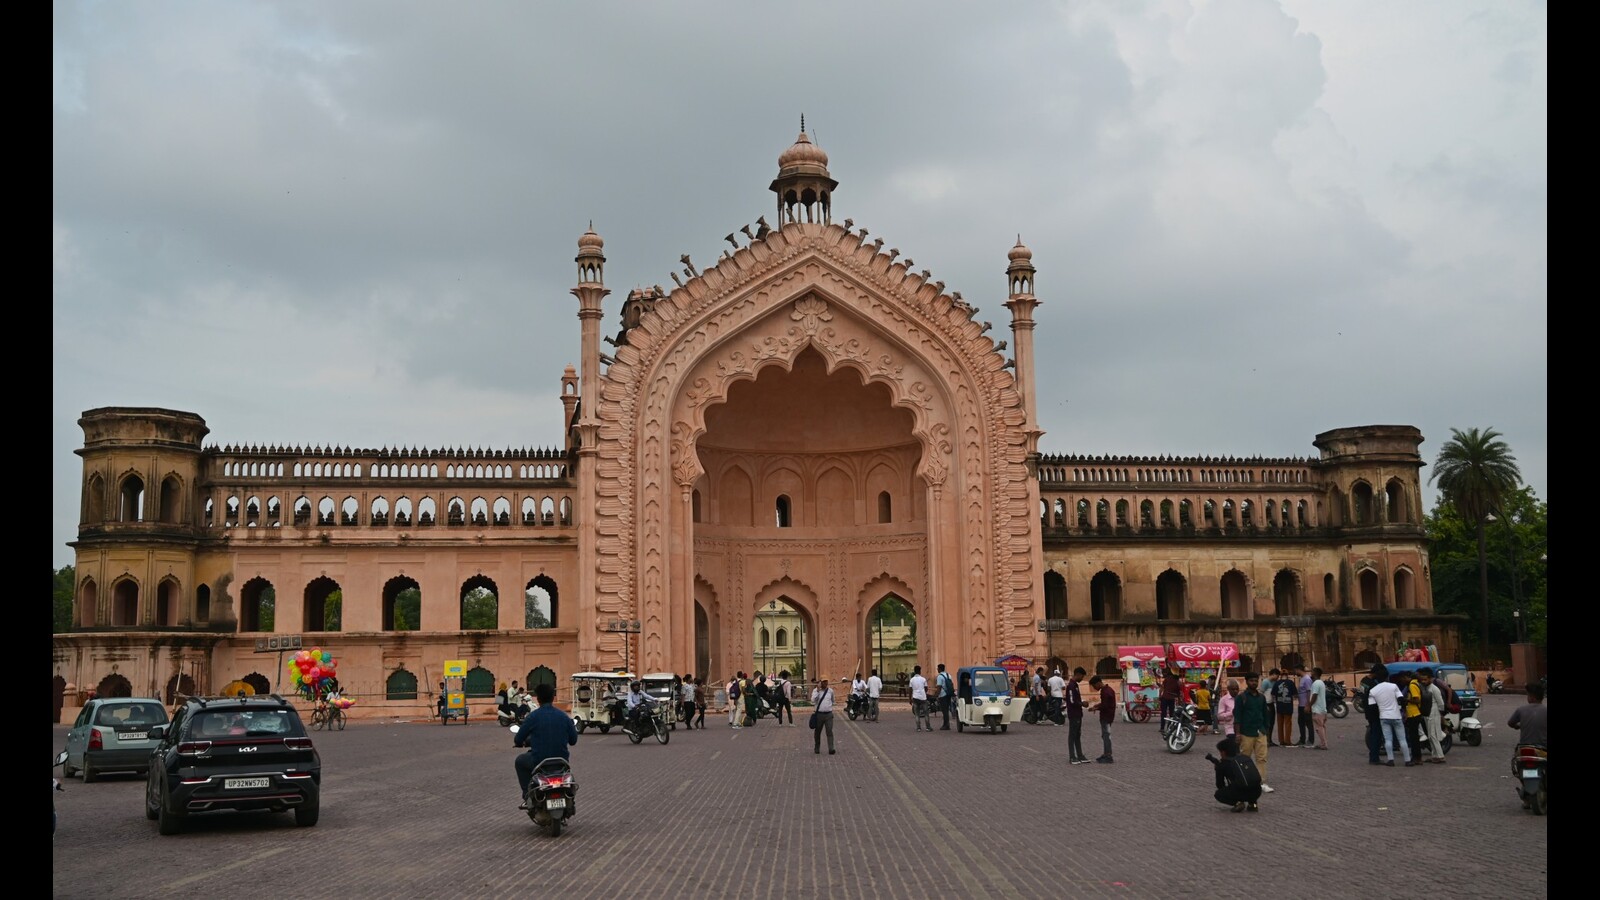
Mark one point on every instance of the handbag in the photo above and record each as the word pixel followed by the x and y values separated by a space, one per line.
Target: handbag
pixel 812 723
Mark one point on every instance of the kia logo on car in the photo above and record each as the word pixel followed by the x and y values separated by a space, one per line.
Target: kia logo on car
pixel 247 749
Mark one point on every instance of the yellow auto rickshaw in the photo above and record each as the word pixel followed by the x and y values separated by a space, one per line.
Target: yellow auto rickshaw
pixel 983 699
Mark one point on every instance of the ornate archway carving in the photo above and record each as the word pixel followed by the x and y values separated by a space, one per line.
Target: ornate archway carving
pixel 813 286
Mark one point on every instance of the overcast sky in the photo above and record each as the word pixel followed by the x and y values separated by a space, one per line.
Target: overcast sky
pixel 353 223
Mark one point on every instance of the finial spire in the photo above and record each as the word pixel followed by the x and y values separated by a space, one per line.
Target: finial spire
pixel 591 227
pixel 802 123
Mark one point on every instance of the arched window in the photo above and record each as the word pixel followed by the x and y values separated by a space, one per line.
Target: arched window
pixel 1235 595
pixel 257 606
pixel 1171 596
pixel 1404 589
pixel 1055 596
pixel 1285 593
pixel 202 603
pixel 541 603
pixel 1105 597
pixel 694 506
pixel 400 685
pixel 884 507
pixel 480 604
pixel 478 683
pixel 1370 596
pixel 1327 590
pixel 766 639
pixel 783 511
pixel 783 637
pixel 1361 506
pixel 130 507
pixel 402 604
pixel 1395 501
pixel 541 675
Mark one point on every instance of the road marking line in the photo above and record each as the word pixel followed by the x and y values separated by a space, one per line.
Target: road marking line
pixel 212 870
pixel 715 755
pixel 683 787
pixel 1328 780
pixel 1029 749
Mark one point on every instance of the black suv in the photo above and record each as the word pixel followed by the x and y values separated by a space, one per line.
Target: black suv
pixel 232 753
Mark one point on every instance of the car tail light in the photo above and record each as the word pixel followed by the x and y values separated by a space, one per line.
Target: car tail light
pixel 95 741
pixel 297 743
pixel 193 748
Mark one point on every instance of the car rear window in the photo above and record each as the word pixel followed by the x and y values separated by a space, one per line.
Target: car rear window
pixel 244 723
pixel 1457 679
pixel 114 714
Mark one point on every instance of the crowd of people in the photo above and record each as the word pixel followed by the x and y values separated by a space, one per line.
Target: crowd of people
pixel 1286 709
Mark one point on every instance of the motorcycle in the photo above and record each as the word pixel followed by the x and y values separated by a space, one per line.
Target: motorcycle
pixel 855 706
pixel 55 785
pixel 1338 698
pixel 1530 769
pixel 1178 732
pixel 1039 712
pixel 1494 685
pixel 552 795
pixel 649 720
pixel 519 708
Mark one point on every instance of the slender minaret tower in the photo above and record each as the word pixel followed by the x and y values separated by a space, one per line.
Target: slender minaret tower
pixel 1022 302
pixel 591 291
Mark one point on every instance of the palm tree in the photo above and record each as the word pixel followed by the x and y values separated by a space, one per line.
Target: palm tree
pixel 1475 471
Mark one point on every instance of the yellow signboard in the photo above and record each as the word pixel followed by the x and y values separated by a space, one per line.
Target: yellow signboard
pixel 455 668
pixel 455 700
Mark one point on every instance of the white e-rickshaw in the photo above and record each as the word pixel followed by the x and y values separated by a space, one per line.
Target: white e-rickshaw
pixel 594 697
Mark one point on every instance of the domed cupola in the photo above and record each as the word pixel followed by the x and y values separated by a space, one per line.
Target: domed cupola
pixel 803 186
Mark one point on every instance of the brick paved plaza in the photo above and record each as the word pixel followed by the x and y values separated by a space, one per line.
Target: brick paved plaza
pixel 413 809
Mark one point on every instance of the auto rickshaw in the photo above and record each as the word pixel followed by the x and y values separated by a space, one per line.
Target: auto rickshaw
pixel 983 699
pixel 659 685
pixel 593 696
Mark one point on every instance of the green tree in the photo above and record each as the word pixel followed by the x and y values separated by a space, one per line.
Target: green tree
pixel 1453 565
pixel 535 604
pixel 480 609
pixel 333 611
pixel 408 610
pixel 65 578
pixel 267 610
pixel 1475 471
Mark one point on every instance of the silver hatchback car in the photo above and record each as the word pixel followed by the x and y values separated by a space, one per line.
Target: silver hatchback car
pixel 111 735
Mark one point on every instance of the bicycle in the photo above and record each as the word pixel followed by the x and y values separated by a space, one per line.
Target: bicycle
pixel 327 718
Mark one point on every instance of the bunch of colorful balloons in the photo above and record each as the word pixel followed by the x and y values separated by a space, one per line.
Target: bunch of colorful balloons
pixel 312 672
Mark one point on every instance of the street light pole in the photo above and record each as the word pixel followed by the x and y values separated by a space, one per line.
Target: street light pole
pixel 1517 613
pixel 626 628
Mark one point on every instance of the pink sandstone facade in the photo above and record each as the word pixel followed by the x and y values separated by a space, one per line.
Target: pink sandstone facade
pixel 812 420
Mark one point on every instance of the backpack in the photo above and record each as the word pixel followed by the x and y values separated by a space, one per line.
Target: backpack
pixel 733 690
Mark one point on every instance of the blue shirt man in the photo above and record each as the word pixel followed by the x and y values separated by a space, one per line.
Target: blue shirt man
pixel 546 732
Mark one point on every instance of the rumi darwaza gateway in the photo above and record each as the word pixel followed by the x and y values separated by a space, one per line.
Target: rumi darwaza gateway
pixel 758 459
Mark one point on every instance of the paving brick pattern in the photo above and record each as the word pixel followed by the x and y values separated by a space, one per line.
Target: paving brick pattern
pixel 415 809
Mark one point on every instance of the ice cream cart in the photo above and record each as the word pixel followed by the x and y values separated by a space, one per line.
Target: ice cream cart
pixel 454 705
pixel 1143 666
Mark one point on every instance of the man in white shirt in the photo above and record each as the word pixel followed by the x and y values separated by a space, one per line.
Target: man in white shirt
pixel 919 698
pixel 874 691
pixel 1058 695
pixel 1391 723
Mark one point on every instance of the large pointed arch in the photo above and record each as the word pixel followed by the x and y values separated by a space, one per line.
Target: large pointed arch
pixel 816 286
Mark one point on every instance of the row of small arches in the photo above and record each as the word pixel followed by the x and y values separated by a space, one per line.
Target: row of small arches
pixel 1288 595
pixel 392 470
pixel 322 608
pixel 1054 513
pixel 1058 474
pixel 479 511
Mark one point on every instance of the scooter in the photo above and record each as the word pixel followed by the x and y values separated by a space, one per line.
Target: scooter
pixel 55 785
pixel 1530 768
pixel 552 795
pixel 520 706
pixel 1494 685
